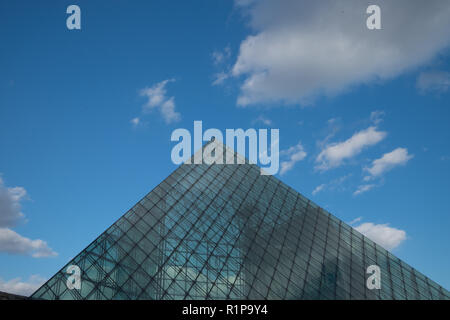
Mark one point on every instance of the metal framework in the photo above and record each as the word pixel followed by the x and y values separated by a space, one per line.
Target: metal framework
pixel 228 232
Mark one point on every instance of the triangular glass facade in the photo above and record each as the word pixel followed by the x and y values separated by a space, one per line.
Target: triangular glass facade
pixel 228 232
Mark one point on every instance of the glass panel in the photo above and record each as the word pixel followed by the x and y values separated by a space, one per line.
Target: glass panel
pixel 227 232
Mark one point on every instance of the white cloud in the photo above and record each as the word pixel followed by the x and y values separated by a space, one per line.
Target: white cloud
pixel 14 243
pixel 300 49
pixel 318 189
pixel 294 154
pixel 387 237
pixel 334 154
pixel 263 120
pixel 363 188
pixel 219 78
pixel 220 57
pixel 135 121
pixel 435 81
pixel 333 185
pixel 168 111
pixel 377 116
pixel 388 161
pixel 157 98
pixel 10 204
pixel 355 220
pixel 333 127
pixel 24 288
pixel 10 215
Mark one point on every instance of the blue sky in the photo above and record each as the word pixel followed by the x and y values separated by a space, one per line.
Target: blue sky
pixel 357 109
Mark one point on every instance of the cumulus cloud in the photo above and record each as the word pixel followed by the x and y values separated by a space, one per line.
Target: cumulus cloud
pixel 382 234
pixel 435 81
pixel 158 99
pixel 334 154
pixel 24 288
pixel 10 215
pixel 300 49
pixel 10 204
pixel 294 154
pixel 388 161
pixel 363 188
pixel 14 243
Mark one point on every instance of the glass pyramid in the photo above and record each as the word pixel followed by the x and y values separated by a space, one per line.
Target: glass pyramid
pixel 228 232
